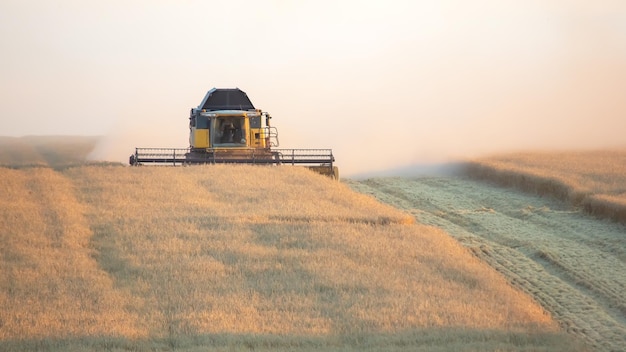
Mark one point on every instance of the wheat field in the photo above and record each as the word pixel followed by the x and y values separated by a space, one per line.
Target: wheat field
pixel 227 257
pixel 594 180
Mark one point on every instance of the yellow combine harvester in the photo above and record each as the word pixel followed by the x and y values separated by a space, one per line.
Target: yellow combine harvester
pixel 227 128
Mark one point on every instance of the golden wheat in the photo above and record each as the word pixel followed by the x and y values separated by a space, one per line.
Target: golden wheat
pixel 595 180
pixel 240 257
pixel 51 286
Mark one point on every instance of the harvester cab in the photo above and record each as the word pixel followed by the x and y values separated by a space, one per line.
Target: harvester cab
pixel 226 119
pixel 227 128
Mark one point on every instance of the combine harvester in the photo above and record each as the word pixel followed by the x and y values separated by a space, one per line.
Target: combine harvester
pixel 227 128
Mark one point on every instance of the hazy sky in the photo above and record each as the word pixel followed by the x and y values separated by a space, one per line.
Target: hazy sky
pixel 383 83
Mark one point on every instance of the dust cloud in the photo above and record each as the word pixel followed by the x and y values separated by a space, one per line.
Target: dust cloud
pixel 462 85
pixel 141 128
pixel 386 85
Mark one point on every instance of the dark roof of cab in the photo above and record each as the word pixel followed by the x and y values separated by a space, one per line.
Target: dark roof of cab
pixel 226 99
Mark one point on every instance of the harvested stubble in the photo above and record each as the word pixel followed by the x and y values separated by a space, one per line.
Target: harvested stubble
pixel 240 257
pixel 572 264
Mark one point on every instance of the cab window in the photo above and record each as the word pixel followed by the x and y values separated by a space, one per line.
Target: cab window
pixel 230 130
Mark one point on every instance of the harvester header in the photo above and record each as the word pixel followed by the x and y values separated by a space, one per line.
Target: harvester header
pixel 227 128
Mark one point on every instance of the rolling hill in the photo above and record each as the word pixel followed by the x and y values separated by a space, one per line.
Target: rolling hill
pixel 228 257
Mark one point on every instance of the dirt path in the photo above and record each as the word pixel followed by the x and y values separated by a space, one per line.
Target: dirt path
pixel 572 264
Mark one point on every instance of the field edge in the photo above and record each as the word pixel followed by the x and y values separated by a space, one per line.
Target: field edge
pixel 541 185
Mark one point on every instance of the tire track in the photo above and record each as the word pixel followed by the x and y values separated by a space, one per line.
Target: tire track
pixel 571 263
pixel 55 286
